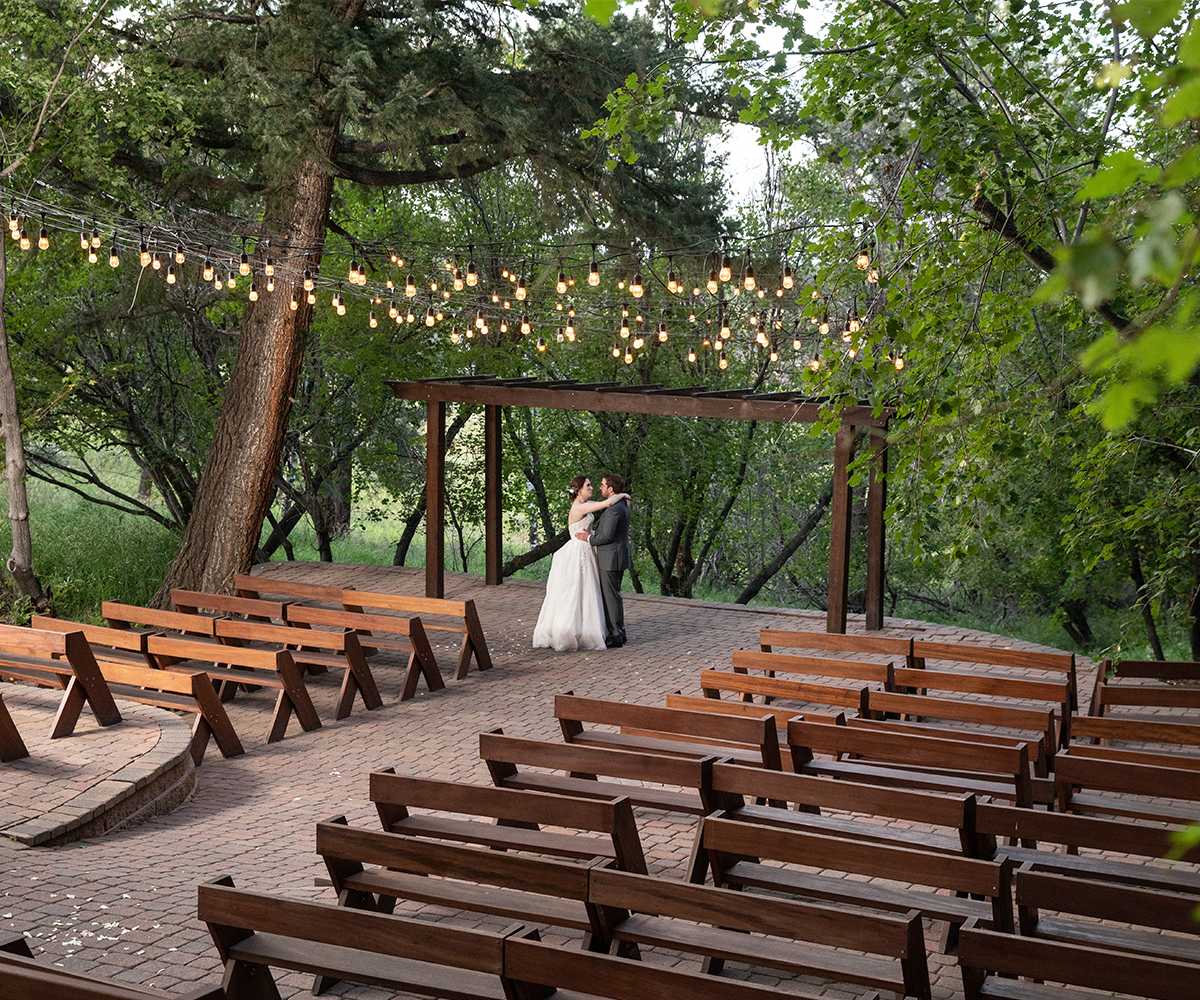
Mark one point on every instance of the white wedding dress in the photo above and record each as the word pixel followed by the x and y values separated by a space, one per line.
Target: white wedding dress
pixel 572 615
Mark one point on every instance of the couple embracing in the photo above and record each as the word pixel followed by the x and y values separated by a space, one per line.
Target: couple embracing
pixel 583 607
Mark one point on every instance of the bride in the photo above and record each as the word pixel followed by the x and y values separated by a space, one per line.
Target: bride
pixel 572 615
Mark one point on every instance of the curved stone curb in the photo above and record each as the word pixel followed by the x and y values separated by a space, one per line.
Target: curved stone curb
pixel 153 783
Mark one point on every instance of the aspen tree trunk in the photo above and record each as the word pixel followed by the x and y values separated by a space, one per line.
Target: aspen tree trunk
pixel 20 562
pixel 236 484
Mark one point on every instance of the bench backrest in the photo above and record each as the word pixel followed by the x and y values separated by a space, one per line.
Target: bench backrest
pixel 251 586
pixel 1104 969
pixel 34 642
pixel 132 640
pixel 713 682
pixel 886 645
pixel 1159 730
pixel 1146 695
pixel 966 652
pixel 302 614
pixel 362 599
pixel 733 781
pixel 195 601
pixel 283 635
pixel 572 712
pixel 1173 670
pixel 726 837
pixel 1127 904
pixel 127 615
pixel 813 666
pixel 183 648
pixel 394 794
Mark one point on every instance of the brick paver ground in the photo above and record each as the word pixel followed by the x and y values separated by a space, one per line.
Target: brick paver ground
pixel 123 905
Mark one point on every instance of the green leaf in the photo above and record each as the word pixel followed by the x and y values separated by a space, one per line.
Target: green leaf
pixel 600 10
pixel 1120 403
pixel 1189 47
pixel 1119 172
pixel 1183 104
pixel 1183 170
pixel 1149 17
pixel 1111 75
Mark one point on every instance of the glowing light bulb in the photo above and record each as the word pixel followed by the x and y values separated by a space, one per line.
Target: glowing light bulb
pixel 113 259
pixel 625 329
pixel 796 344
pixel 43 239
pixel 433 286
pixel 308 280
pixel 472 277
pixel 171 274
pixel 899 362
pixel 180 258
pixel 521 291
pixel 594 275
pixel 244 264
pixel 92 258
pixel 253 291
pixel 454 335
pixel 294 303
pixel 726 268
pixel 341 306
pixel 853 351
pixel 372 321
pixel 692 354
pixel 232 281
pixel 83 241
pixel 560 286
pixel 458 282
pixel 410 286
pixel 638 341
pixel 788 280
pixel 155 263
pixel 712 283
pixel 748 280
pixel 723 363
pixel 311 298
pixel 503 326
pixel 823 326
pixel 353 274
pixel 662 332
pixel 208 271
pixel 525 327
pixel 815 364
pixel 144 255
pixel 95 239
pixel 863 260
pixel 541 343
pixel 672 282
pixel 24 238
pixel 635 288
pixel 393 310
pixel 628 358
pixel 718 344
pixel 873 277
pixel 270 284
pixel 616 349
pixel 430 316
pixel 479 321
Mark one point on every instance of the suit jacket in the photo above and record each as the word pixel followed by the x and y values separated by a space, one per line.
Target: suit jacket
pixel 612 538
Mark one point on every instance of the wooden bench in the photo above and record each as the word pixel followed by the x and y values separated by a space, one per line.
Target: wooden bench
pixel 312 647
pixel 668 730
pixel 122 657
pixel 881 645
pixel 991 961
pixel 1110 675
pixel 541 890
pixel 996 822
pixel 12 747
pixel 1150 910
pixel 739 854
pixel 517 818
pixel 24 978
pixel 1038 724
pixel 741 791
pixel 880 951
pixel 254 933
pixel 687 778
pixel 421 662
pixel 911 761
pixel 195 602
pixel 129 616
pixel 63 661
pixel 744 709
pixel 230 666
pixel 474 644
pixel 716 682
pixel 1154 787
pixel 1022 659
pixel 1156 730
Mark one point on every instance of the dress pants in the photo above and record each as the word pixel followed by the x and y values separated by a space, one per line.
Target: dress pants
pixel 614 607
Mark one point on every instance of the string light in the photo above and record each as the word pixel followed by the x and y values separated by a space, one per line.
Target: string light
pixel 294 304
pixel 526 328
pixel 430 316
pixel 179 258
pixel 113 259
pixel 521 291
pixel 863 260
pixel 208 270
pixel 372 321
pixel 171 274
pixel 635 288
pixel 24 238
pixel 628 357
pixel 748 280
pixel 253 291
pixel 43 236
pixel 472 277
pixel 560 285
pixel 788 280
pixel 594 270
pixel 712 282
pixel 541 343
pixel 662 332
pixel 692 354
pixel 310 297
pixel 672 283
pixel 270 284
pixel 244 264
pixel 393 310
pixel 726 268
pixel 616 349
pixel 232 282
pixel 815 364
pixel 723 362
pixel 410 286
pixel 454 334
pixel 155 263
pixel 83 240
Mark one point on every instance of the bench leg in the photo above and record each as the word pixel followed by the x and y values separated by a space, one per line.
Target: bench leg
pixel 483 658
pixel 12 747
pixel 297 694
pixel 249 981
pixel 464 658
pixel 216 719
pixel 68 710
pixel 358 678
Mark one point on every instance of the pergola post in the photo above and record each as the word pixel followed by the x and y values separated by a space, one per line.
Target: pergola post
pixel 876 502
pixel 435 499
pixel 493 478
pixel 839 536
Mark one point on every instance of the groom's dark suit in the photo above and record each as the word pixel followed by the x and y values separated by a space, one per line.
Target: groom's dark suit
pixel 611 540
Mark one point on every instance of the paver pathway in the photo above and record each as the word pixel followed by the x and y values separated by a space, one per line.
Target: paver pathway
pixel 123 905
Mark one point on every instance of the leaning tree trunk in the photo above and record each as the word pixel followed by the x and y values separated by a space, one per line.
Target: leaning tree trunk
pixel 20 563
pixel 235 487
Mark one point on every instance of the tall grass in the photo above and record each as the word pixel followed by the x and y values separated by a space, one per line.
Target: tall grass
pixel 87 554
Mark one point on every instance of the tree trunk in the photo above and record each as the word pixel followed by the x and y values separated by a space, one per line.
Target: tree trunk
pixel 20 563
pixel 763 577
pixel 1143 600
pixel 235 486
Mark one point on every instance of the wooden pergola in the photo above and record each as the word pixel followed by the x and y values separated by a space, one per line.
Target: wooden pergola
pixel 492 393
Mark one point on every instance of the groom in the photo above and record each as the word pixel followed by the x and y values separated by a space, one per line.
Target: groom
pixel 611 541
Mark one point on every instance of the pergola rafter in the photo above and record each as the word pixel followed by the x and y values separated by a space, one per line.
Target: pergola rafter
pixel 492 393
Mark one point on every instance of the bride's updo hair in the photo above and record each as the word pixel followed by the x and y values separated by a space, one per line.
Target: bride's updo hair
pixel 575 487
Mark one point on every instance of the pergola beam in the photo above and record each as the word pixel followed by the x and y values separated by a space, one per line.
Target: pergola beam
pixel 693 401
